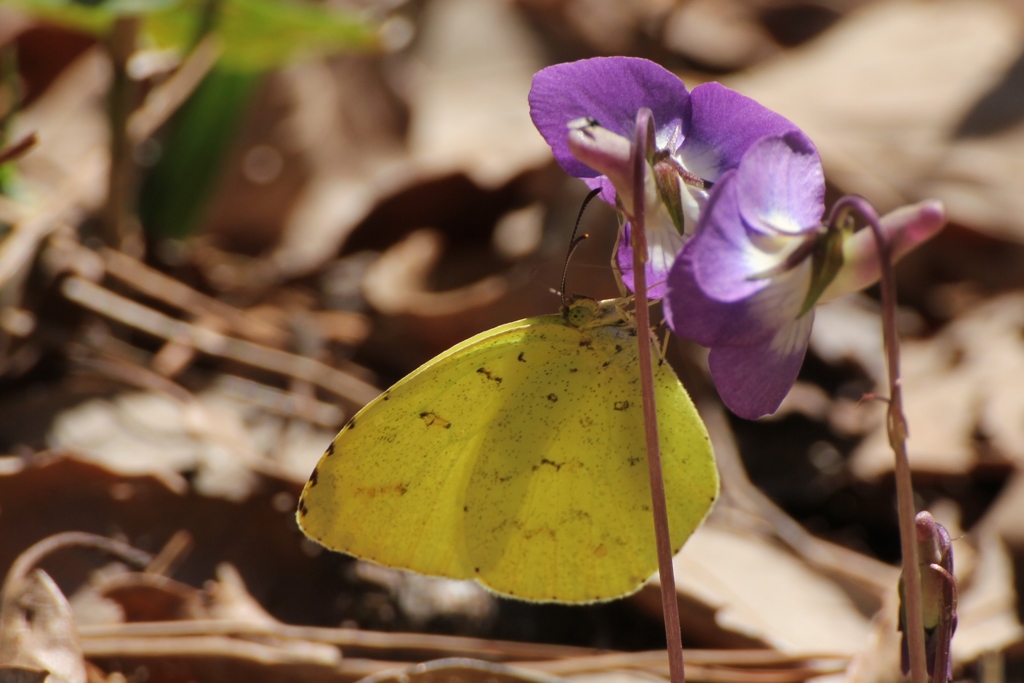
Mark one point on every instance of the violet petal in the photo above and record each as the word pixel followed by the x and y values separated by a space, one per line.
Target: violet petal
pixel 722 126
pixel 781 186
pixel 753 380
pixel 690 312
pixel 610 90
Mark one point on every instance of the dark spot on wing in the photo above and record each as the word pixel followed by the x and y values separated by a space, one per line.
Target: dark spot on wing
pixel 330 449
pixel 573 369
pixel 620 405
pixel 586 343
pixel 521 359
pixel 545 461
pixel 487 373
pixel 618 348
pixel 302 507
pixel 434 420
pixel 313 477
pixel 351 424
pixel 553 398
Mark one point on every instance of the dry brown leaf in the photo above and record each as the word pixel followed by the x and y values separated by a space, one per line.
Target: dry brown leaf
pixel 720 34
pixel 987 605
pixel 1003 518
pixel 762 591
pixel 17 674
pixel 468 102
pixel 70 121
pixel 217 436
pixel 959 386
pixel 396 283
pixel 879 661
pixel 884 93
pixel 37 632
pixel 346 120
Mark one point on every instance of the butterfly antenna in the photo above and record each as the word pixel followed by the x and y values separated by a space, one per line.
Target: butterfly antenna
pixel 575 241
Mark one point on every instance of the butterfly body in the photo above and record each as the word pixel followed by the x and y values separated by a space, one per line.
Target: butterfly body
pixel 517 458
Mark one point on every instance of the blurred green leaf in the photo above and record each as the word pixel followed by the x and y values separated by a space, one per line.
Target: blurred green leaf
pixel 197 141
pixel 255 35
pixel 90 16
pixel 262 34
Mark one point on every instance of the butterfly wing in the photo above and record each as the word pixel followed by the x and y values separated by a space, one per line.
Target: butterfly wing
pixel 391 486
pixel 558 504
pixel 516 458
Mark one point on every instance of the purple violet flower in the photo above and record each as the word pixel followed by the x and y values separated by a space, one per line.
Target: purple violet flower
pixel 746 285
pixel 587 111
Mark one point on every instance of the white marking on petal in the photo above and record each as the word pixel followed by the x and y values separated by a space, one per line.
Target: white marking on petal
pixel 694 200
pixel 663 244
pixel 781 300
pixel 792 337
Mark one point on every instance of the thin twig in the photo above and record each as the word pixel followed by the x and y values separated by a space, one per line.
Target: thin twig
pixel 152 282
pixel 118 210
pixel 897 427
pixel 167 98
pixel 18 149
pixel 352 668
pixel 30 557
pixel 669 600
pixel 556 659
pixel 429 645
pixel 133 314
pixel 206 647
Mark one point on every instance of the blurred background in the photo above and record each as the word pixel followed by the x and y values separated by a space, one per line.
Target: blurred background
pixel 225 225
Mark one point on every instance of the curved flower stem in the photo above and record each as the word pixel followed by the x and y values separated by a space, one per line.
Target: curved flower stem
pixel 669 601
pixel 897 426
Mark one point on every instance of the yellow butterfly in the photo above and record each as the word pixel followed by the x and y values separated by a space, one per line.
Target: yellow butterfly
pixel 517 458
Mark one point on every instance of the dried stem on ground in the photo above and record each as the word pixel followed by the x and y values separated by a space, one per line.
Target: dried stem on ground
pixel 124 310
pixel 117 219
pixel 18 149
pixel 166 98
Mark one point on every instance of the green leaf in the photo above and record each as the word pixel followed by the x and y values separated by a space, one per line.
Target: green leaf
pixel 199 137
pixel 89 16
pixel 257 35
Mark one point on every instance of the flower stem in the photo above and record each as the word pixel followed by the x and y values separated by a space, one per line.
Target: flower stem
pixel 669 601
pixel 897 427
